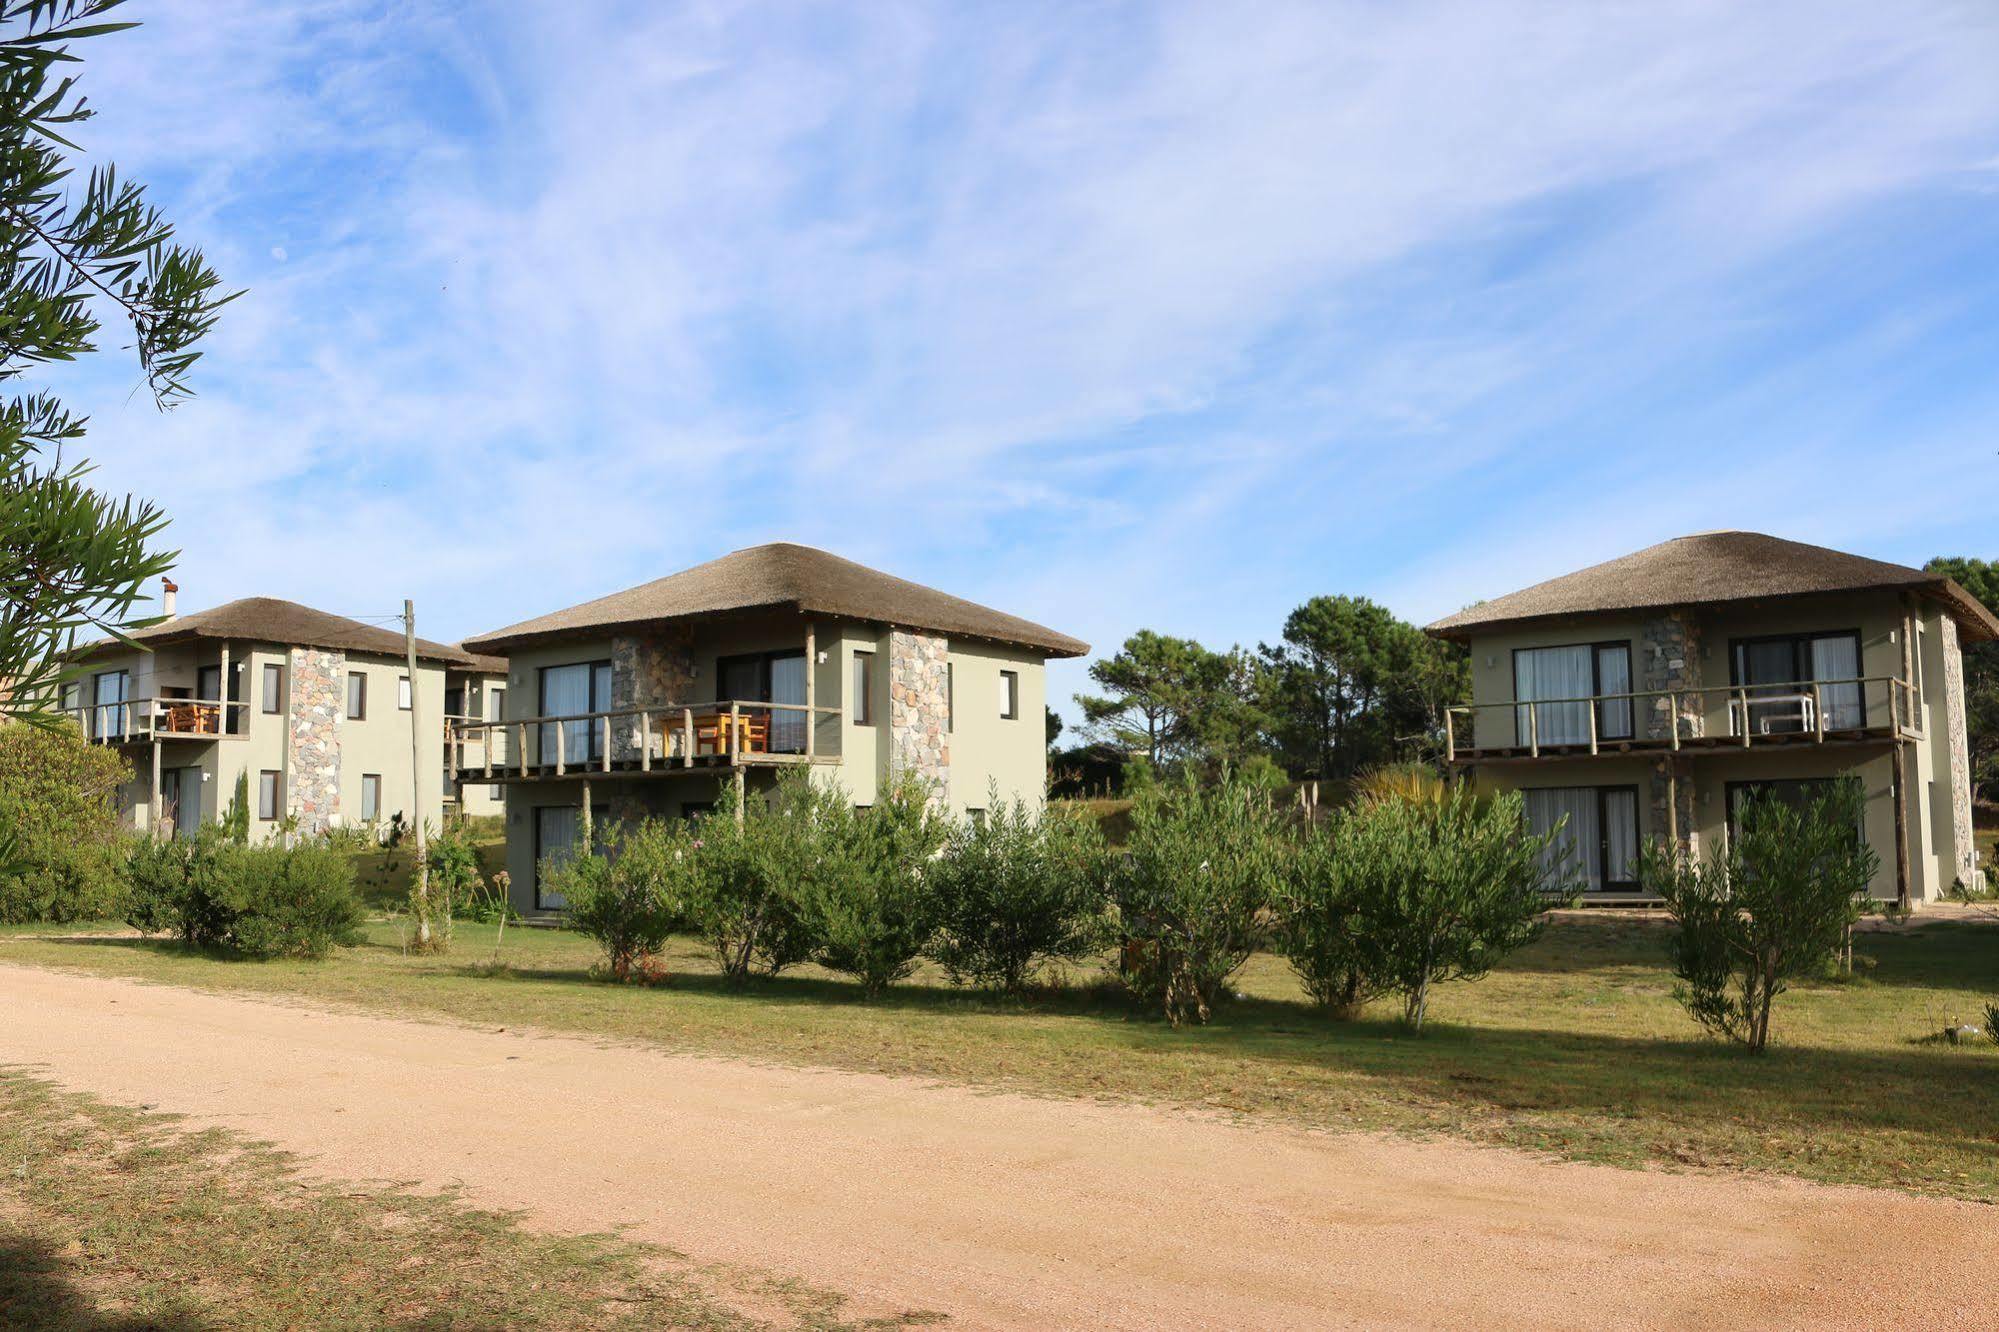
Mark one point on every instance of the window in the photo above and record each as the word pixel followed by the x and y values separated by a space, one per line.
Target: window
pixel 273 694
pixel 1577 672
pixel 950 696
pixel 496 703
pixel 113 689
pixel 454 701
pixel 403 692
pixel 1010 695
pixel 574 691
pixel 557 830
pixel 267 796
pixel 371 796
pixel 1797 792
pixel 357 696
pixel 864 688
pixel 768 677
pixel 1599 832
pixel 1781 672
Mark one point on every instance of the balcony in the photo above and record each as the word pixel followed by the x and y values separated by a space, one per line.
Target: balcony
pixel 1863 710
pixel 657 740
pixel 143 720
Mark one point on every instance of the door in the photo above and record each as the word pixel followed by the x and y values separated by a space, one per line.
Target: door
pixel 787 685
pixel 180 800
pixel 557 830
pixel 1771 670
pixel 108 718
pixel 568 691
pixel 1598 842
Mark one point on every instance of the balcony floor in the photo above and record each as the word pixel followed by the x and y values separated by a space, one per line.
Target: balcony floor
pixel 1691 746
pixel 622 767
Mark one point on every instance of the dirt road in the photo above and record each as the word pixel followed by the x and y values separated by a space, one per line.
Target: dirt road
pixel 1008 1211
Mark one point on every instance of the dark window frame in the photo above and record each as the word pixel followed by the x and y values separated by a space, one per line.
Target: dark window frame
pixel 1595 685
pixel 1800 663
pixel 595 737
pixel 366 778
pixel 1603 828
pixel 405 693
pixel 1733 793
pixel 864 688
pixel 277 790
pixel 271 693
pixel 1009 695
pixel 354 713
pixel 541 852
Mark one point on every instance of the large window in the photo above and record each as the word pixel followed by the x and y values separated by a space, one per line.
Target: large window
pixel 1781 672
pixel 112 690
pixel 768 677
pixel 1795 792
pixel 864 689
pixel 1572 674
pixel 1599 833
pixel 557 831
pixel 571 691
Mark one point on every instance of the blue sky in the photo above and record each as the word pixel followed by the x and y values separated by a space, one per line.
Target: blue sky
pixel 1111 315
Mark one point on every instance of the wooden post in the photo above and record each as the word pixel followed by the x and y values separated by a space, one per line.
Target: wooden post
pixel 1592 727
pixel 1450 736
pixel 1534 729
pixel 739 795
pixel 687 737
pixel 417 819
pixel 1672 803
pixel 521 743
pixel 1744 696
pixel 588 829
pixel 1672 718
pixel 561 758
pixel 154 816
pixel 604 757
pixel 1818 715
pixel 492 736
pixel 645 741
pixel 222 712
pixel 733 746
pixel 811 689
pixel 1901 826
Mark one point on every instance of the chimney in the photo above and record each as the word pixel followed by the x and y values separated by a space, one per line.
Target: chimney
pixel 169 598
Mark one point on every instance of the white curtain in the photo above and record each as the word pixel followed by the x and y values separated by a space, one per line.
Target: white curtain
pixel 1838 659
pixel 1620 836
pixel 1557 672
pixel 1580 836
pixel 565 692
pixel 1613 668
pixel 787 685
pixel 113 689
pixel 557 830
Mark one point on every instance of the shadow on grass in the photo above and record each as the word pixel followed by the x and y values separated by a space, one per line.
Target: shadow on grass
pixel 38 1290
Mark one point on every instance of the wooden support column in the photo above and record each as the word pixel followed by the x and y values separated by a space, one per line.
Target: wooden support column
pixel 1672 804
pixel 1900 784
pixel 739 795
pixel 588 830
pixel 153 808
pixel 222 725
pixel 811 689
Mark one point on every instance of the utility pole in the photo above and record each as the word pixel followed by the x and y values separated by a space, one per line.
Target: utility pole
pixel 416 779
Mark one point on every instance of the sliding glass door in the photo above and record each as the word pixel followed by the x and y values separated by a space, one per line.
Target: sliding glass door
pixel 570 691
pixel 1781 672
pixel 1598 842
pixel 1572 677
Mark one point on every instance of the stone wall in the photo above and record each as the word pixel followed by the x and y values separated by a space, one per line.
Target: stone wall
pixel 1957 737
pixel 919 688
pixel 1668 775
pixel 312 741
pixel 1669 658
pixel 649 667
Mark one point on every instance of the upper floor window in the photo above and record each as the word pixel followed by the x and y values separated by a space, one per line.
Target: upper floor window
pixel 1562 684
pixel 357 696
pixel 267 795
pixel 1790 676
pixel 864 689
pixel 574 691
pixel 403 699
pixel 1009 695
pixel 112 691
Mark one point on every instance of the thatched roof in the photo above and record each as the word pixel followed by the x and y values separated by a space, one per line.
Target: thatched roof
pixel 785 577
pixel 1715 568
pixel 483 664
pixel 271 620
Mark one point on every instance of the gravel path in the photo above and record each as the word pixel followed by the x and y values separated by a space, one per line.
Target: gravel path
pixel 1008 1211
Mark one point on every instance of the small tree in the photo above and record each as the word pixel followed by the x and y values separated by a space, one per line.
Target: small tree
pixel 867 892
pixel 236 819
pixel 1015 889
pixel 447 879
pixel 629 893
pixel 1322 925
pixel 1451 885
pixel 1774 904
pixel 744 896
pixel 1200 867
pixel 59 814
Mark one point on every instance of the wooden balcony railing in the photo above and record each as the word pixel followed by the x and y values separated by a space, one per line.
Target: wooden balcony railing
pixel 143 719
pixel 663 737
pixel 1873 707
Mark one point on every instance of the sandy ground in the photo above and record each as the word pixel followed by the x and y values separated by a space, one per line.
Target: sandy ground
pixel 1008 1211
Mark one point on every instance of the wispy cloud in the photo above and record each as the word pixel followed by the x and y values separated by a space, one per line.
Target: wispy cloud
pixel 1117 315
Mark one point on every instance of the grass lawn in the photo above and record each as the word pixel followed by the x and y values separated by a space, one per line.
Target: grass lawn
pixel 112 1218
pixel 1576 1047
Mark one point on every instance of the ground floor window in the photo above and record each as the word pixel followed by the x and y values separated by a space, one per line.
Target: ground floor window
pixel 180 800
pixel 1599 830
pixel 1796 792
pixel 558 832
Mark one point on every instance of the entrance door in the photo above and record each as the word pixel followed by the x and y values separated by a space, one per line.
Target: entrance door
pixel 180 800
pixel 787 685
pixel 557 831
pixel 1599 833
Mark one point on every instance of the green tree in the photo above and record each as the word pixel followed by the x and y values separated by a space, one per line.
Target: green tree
pixel 1021 886
pixel 1170 698
pixel 1349 681
pixel 59 804
pixel 71 558
pixel 1981 671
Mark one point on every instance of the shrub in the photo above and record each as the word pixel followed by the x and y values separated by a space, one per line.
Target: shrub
pixel 1322 927
pixel 1017 889
pixel 448 878
pixel 1200 867
pixel 867 894
pixel 629 893
pixel 744 896
pixel 1774 904
pixel 1411 783
pixel 1447 886
pixel 262 901
pixel 59 811
pixel 295 901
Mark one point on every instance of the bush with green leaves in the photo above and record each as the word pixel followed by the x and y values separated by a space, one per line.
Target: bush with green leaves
pixel 745 897
pixel 1321 923
pixel 1775 902
pixel 59 807
pixel 1200 867
pixel 1016 889
pixel 261 901
pixel 447 880
pixel 630 891
pixel 867 893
